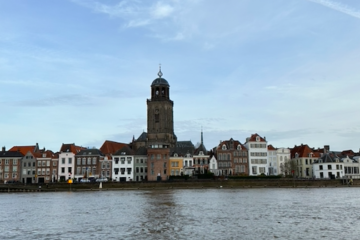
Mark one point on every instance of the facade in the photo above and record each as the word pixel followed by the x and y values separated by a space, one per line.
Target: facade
pixel 213 166
pixel 176 165
pixel 257 153
pixel 87 164
pixel 28 172
pixel 351 167
pixel 188 167
pixel 10 165
pixel 140 164
pixel 303 157
pixel 123 165
pixel 328 166
pixel 277 158
pixel 232 158
pixel 282 157
pixel 44 166
pixel 66 162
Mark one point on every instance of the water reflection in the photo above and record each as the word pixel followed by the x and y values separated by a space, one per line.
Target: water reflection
pixel 182 214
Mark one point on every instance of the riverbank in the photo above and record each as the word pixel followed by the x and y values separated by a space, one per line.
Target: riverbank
pixel 193 184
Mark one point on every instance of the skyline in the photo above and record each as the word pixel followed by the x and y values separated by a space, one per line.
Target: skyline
pixel 80 71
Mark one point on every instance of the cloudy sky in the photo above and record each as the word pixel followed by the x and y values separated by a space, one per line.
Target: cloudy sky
pixel 79 71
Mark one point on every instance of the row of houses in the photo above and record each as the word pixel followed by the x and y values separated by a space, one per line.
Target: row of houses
pixel 133 162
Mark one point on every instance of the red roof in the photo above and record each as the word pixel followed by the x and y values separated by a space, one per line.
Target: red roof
pixel 270 147
pixel 111 147
pixel 23 149
pixel 253 138
pixel 228 143
pixel 304 151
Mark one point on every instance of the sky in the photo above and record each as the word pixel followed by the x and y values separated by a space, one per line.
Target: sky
pixel 79 71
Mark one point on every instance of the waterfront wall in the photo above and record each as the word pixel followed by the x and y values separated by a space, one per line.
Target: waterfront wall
pixel 196 184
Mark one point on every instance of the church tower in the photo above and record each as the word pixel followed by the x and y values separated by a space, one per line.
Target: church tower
pixel 160 117
pixel 160 130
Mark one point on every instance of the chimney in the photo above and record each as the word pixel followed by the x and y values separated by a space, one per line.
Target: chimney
pixel 326 148
pixel 3 149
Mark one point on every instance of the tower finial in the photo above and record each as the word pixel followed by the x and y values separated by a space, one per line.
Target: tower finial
pixel 160 73
pixel 202 139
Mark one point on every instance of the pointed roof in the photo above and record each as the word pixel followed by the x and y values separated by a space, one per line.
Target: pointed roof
pixel 110 147
pixel 229 143
pixel 142 137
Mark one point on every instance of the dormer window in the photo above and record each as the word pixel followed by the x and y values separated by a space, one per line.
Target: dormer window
pixel 239 147
pixel 257 138
pixel 201 153
pixel 223 147
pixel 175 155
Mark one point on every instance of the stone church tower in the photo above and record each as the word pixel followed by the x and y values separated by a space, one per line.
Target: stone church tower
pixel 160 117
pixel 160 130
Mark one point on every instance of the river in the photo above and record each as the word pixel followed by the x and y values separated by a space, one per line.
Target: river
pixel 266 213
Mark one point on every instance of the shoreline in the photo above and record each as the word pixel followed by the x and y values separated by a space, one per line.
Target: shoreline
pixel 197 184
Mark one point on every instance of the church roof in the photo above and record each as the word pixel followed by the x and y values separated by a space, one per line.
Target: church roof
pixel 160 81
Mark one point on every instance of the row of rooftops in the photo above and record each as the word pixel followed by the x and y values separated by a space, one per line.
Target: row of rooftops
pixel 182 148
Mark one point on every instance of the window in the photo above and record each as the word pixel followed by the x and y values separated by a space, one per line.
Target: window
pixel 122 160
pixel 128 170
pixel 116 160
pixel 78 161
pixel 69 170
pixel 78 170
pixel 254 170
pixel 43 163
pixel 70 160
pixel 14 169
pixel 116 170
pixel 62 170
pixel 15 161
pixel 329 166
pixel 94 160
pixel 320 167
pixel 63 160
pixel 94 170
pixel 122 170
pixel 83 161
pixel 89 161
pixel 128 160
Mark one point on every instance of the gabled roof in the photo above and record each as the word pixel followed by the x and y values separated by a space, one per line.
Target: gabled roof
pixel 126 150
pixel 271 147
pixel 23 149
pixel 329 157
pixel 253 138
pixel 44 154
pixel 199 149
pixel 71 147
pixel 230 144
pixel 303 151
pixel 349 153
pixel 110 147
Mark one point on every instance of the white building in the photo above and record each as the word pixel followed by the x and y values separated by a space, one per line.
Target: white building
pixel 258 159
pixel 188 168
pixel 66 166
pixel 213 166
pixel 328 166
pixel 123 165
pixel 351 167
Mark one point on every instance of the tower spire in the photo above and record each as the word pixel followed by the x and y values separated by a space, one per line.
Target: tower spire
pixel 160 73
pixel 202 139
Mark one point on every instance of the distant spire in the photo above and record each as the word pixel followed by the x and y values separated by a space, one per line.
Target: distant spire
pixel 160 73
pixel 202 139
